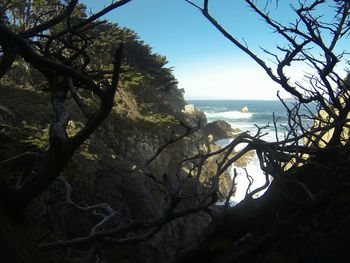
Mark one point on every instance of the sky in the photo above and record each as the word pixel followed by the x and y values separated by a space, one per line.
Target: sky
pixel 205 63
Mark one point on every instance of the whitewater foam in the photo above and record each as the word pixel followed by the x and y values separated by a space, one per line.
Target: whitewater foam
pixel 260 114
pixel 242 182
pixel 231 115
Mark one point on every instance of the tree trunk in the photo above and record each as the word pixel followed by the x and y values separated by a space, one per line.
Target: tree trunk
pixel 16 240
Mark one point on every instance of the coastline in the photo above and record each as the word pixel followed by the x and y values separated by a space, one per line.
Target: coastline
pixel 259 113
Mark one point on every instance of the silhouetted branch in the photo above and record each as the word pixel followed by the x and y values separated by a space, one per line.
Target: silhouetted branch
pixel 173 139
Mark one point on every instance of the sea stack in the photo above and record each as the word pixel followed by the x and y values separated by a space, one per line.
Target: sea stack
pixel 245 109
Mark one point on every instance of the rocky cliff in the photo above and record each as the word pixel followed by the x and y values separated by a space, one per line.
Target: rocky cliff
pixel 110 167
pixel 123 164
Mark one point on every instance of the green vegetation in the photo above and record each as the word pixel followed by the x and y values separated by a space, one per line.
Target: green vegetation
pixel 97 154
pixel 52 123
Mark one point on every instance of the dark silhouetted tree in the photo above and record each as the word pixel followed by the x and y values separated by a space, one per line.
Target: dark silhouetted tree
pixel 43 35
pixel 301 168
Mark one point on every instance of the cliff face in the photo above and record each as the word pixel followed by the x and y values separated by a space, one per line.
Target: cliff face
pixel 110 167
pixel 122 147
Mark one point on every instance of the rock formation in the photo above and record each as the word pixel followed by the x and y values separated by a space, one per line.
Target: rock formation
pixel 219 130
pixel 245 109
pixel 110 168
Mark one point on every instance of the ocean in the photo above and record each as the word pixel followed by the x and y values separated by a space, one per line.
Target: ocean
pixel 260 113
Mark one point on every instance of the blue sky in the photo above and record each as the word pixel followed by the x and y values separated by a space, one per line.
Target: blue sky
pixel 206 64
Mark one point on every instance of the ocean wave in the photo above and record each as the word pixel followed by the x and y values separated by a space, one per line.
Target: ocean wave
pixel 213 109
pixel 232 115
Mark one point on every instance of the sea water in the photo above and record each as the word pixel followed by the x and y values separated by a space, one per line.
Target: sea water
pixel 260 113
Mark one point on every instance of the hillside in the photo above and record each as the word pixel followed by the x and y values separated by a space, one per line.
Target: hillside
pixel 110 167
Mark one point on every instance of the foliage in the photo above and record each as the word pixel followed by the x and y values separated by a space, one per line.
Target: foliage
pixel 60 69
pixel 73 64
pixel 143 72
